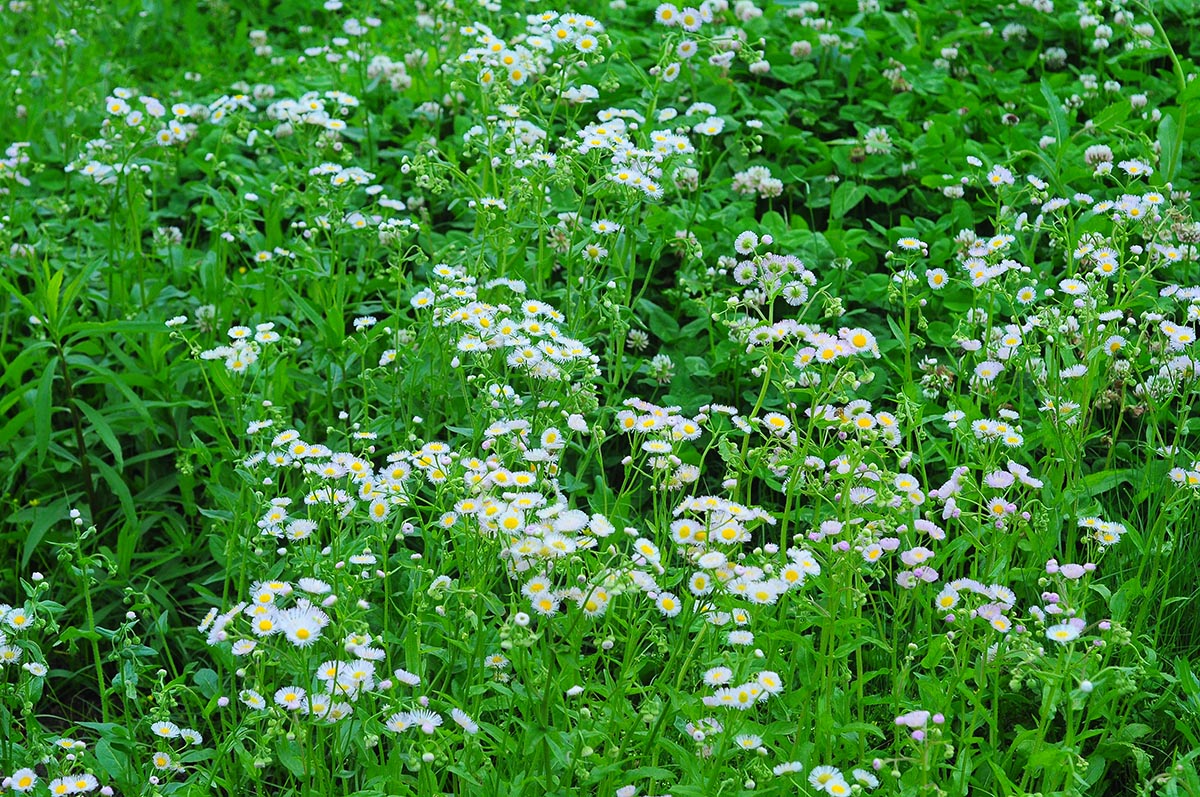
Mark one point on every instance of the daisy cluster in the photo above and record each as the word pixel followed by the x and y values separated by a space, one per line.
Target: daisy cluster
pixel 526 335
pixel 308 616
pixel 549 38
pixel 55 764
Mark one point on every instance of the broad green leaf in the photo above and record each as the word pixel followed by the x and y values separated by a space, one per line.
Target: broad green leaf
pixel 291 756
pixel 664 327
pixel 847 197
pixel 1113 115
pixel 206 681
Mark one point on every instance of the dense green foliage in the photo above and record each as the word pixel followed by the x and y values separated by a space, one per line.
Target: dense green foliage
pixel 489 398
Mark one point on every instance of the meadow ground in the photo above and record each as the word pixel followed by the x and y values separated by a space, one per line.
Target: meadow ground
pixel 494 398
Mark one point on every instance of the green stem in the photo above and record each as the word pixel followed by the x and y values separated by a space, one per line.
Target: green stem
pixel 85 585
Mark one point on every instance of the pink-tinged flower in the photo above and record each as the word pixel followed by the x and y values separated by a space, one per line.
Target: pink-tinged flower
pixel 913 719
pixel 930 528
pixel 916 556
pixel 1072 571
pixel 999 479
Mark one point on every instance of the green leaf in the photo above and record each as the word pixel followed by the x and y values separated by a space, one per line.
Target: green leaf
pixel 1058 117
pixel 1170 146
pixel 108 378
pixel 290 755
pixel 50 297
pixel 697 366
pixel 14 370
pixel 664 327
pixel 94 328
pixel 19 295
pixel 128 536
pixel 77 284
pixel 1132 732
pixel 43 409
pixel 773 223
pixel 657 773
pixel 937 649
pixel 103 431
pixel 1189 682
pixel 112 751
pixel 1121 600
pixel 206 681
pixel 847 197
pixel 127 677
pixel 18 423
pixel 1112 115
pixel 859 730
pixel 1094 484
pixel 44 518
pixel 114 762
pixel 1190 92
